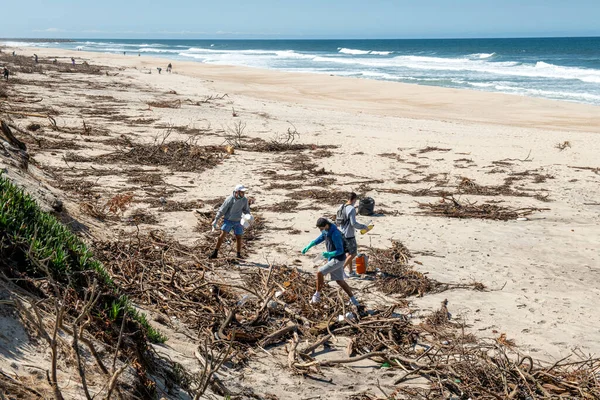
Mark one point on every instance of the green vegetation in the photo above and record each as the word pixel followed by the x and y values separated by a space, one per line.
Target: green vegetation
pixel 42 238
pixel 115 308
pixel 33 243
pixel 153 335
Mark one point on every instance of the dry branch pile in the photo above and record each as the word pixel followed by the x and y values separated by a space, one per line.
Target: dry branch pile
pixel 286 206
pixel 459 367
pixel 171 279
pixel 424 192
pixel 451 207
pixel 468 186
pixel 396 276
pixel 165 103
pixel 432 148
pixel 178 156
pixel 173 206
pixel 324 196
pixel 141 216
pixel 283 177
pixel 286 186
pixel 26 65
pixel 157 271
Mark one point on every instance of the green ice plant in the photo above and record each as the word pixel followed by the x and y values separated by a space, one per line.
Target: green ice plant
pixel 153 335
pixel 115 309
pixel 41 237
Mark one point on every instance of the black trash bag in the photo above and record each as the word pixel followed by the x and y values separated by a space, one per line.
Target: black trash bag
pixel 366 206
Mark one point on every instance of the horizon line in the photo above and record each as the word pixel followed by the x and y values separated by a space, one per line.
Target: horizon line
pixel 49 39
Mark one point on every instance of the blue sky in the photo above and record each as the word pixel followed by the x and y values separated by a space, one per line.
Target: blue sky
pixel 270 19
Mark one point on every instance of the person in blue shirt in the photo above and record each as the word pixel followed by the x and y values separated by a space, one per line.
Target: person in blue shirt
pixel 335 256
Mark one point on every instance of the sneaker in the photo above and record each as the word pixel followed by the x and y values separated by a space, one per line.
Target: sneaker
pixel 362 311
pixel 214 255
pixel 239 256
pixel 350 303
pixel 315 299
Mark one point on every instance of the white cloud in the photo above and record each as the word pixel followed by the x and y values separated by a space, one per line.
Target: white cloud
pixel 161 32
pixel 248 33
pixel 50 30
pixel 182 33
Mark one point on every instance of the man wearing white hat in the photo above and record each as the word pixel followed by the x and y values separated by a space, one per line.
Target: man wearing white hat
pixel 232 209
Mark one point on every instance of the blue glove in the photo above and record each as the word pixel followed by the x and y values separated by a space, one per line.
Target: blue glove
pixel 307 248
pixel 329 254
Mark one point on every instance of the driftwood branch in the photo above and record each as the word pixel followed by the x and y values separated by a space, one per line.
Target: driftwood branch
pixel 91 302
pixel 279 333
pixel 315 345
pixel 11 138
pixel 340 361
pixel 14 145
pixel 113 381
pixel 210 363
pixel 292 352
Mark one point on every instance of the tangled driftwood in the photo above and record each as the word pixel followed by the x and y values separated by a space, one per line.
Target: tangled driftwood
pixel 453 208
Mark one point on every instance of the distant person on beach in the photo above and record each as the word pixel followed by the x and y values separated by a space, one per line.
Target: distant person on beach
pixel 73 60
pixel 54 61
pixel 335 255
pixel 36 58
pixel 14 53
pixel 159 69
pixel 231 210
pixel 5 73
pixel 124 53
pixel 346 222
pixel 169 68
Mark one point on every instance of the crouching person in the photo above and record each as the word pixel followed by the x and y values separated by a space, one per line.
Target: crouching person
pixel 335 256
pixel 232 209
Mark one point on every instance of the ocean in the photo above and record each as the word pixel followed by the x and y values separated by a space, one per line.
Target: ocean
pixel 566 69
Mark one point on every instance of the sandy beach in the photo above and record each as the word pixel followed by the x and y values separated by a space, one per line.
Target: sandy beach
pixel 403 145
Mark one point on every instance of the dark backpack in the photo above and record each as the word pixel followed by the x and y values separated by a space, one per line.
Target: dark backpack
pixel 341 217
pixel 366 206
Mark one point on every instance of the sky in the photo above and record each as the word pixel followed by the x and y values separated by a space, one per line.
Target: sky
pixel 299 19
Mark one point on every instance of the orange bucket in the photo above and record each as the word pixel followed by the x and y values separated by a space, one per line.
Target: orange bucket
pixel 361 264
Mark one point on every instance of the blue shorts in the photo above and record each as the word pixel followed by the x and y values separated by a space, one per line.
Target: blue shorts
pixel 237 227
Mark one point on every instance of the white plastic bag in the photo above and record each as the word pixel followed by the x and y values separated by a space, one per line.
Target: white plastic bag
pixel 247 220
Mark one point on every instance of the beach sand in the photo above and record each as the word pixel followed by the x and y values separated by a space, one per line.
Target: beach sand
pixel 541 274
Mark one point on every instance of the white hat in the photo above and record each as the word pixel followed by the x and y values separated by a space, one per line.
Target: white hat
pixel 240 188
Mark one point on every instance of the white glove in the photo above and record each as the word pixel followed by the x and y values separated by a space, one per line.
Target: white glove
pixel 215 225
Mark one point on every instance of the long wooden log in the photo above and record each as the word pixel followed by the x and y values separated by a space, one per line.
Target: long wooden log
pixel 340 361
pixel 11 138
